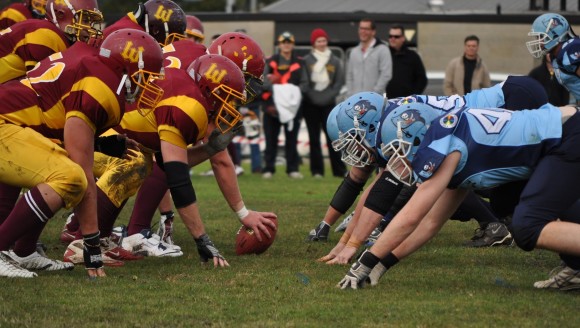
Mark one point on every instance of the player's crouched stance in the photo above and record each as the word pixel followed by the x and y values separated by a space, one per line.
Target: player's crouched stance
pixel 546 216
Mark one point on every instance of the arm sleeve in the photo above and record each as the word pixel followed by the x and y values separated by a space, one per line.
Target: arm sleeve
pixel 385 69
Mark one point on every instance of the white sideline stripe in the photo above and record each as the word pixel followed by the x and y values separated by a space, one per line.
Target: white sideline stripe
pixel 34 207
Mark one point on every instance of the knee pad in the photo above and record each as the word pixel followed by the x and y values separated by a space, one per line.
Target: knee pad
pixel 346 194
pixel 383 193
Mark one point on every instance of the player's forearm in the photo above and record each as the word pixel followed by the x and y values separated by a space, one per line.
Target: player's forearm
pixel 86 210
pixel 192 219
pixel 227 180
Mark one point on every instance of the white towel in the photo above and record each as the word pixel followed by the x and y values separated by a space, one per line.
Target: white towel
pixel 287 98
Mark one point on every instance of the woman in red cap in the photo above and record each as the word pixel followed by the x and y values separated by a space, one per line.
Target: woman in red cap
pixel 326 78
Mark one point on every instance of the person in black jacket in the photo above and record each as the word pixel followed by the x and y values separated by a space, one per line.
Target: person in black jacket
pixel 409 75
pixel 544 73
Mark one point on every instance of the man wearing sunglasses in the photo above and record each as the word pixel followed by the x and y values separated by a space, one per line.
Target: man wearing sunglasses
pixel 409 75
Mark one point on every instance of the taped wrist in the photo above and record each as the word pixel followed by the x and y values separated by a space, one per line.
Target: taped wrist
pixel 111 145
pixel 389 260
pixel 92 251
pixel 346 194
pixel 383 193
pixel 344 239
pixel 368 259
pixel 179 184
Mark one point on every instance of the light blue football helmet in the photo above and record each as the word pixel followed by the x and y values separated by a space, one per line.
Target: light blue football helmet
pixel 332 123
pixel 548 30
pixel 357 120
pixel 402 131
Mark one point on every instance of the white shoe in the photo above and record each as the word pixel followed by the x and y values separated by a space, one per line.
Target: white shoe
pixel 149 244
pixel 164 243
pixel 295 175
pixel 267 175
pixel 10 268
pixel 239 170
pixel 35 261
pixel 562 278
pixel 342 226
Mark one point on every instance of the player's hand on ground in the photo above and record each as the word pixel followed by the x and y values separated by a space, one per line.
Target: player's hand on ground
pixel 333 253
pixel 258 222
pixel 207 250
pixel 93 257
pixel 344 256
pixel 356 277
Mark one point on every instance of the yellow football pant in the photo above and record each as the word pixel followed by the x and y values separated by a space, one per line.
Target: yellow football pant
pixel 28 159
pixel 119 178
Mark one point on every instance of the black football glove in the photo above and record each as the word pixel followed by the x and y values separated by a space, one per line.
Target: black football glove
pixel 114 145
pixel 92 251
pixel 206 248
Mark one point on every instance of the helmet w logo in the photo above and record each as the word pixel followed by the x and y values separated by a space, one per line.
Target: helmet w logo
pixel 214 74
pixel 163 14
pixel 131 53
pixel 245 52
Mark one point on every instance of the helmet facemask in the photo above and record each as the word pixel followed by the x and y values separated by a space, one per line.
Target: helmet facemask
pixel 253 85
pixel 354 146
pixel 226 115
pixel 86 24
pixel 146 93
pixel 397 152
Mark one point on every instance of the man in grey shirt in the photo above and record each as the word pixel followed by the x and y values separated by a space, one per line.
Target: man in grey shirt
pixel 369 66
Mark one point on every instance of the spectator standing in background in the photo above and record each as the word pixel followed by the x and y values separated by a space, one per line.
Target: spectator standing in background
pixel 325 73
pixel 468 72
pixel 544 73
pixel 369 66
pixel 409 77
pixel 282 68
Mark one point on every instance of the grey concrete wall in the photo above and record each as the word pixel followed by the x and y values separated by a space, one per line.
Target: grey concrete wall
pixel 502 47
pixel 261 31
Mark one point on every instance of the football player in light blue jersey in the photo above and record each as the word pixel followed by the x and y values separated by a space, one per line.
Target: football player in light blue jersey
pixel 385 196
pixel 553 37
pixel 474 148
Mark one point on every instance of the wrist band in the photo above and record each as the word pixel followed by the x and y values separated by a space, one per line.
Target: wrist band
pixel 353 243
pixel 344 239
pixel 242 213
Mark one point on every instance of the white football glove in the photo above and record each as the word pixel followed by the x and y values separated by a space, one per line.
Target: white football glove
pixel 376 273
pixel 357 277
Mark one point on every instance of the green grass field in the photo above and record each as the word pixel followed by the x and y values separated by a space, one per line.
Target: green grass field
pixel 442 285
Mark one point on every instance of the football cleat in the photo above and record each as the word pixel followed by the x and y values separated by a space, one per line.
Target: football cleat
pixel 342 226
pixel 320 233
pixel 148 244
pixel 35 261
pixel 74 255
pixel 373 237
pixel 495 234
pixel 10 268
pixel 561 278
pixel 111 249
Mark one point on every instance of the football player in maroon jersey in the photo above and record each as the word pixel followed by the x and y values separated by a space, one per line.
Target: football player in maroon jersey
pixel 71 96
pixel 21 11
pixel 26 43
